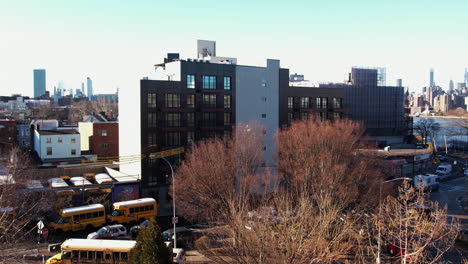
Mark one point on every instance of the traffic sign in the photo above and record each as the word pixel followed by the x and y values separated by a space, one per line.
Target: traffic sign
pixel 40 225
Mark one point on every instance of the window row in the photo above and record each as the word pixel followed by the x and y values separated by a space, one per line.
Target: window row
pixel 49 151
pixel 59 140
pixel 208 82
pixel 77 218
pixel 141 209
pixel 174 119
pixel 318 115
pixel 96 256
pixel 173 139
pixel 174 100
pixel 320 102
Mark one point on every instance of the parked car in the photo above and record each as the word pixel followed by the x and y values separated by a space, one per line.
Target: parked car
pixel 444 171
pixel 109 232
pixel 135 230
pixel 185 237
pixel 395 251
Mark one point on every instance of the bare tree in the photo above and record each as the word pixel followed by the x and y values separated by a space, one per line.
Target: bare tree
pixel 18 205
pixel 215 172
pixel 414 229
pixel 426 127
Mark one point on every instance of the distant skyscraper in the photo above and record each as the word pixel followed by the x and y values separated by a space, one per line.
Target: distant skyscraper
pixel 451 85
pixel 89 84
pixel 39 82
pixel 431 78
pixel 82 88
pixel 399 82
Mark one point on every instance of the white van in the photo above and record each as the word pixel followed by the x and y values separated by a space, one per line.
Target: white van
pixel 426 183
pixel 444 171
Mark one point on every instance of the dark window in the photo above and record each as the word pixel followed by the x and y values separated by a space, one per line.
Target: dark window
pixel 59 140
pixel 263 115
pixel 151 100
pixel 227 101
pixel 172 139
pixel 336 115
pixel 227 83
pixel 101 213
pixel 336 103
pixel 191 81
pixel 304 102
pixel 190 119
pixel 227 134
pixel 172 100
pixel 209 82
pixel 103 133
pixel 104 145
pixel 227 119
pixel 264 99
pixel 73 140
pixel 48 140
pixel 49 150
pixel 318 102
pixel 209 119
pixel 173 119
pixel 151 139
pixel 290 118
pixel 151 119
pixel 324 102
pixel 290 102
pixel 191 100
pixel 190 139
pixel 209 100
pixel 304 116
pixel 73 151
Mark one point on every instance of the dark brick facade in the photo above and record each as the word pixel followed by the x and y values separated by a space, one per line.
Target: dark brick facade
pixel 105 139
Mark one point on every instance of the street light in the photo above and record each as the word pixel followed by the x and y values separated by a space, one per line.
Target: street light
pixel 173 200
pixel 380 214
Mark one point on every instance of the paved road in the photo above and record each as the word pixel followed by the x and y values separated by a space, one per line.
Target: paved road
pixel 450 192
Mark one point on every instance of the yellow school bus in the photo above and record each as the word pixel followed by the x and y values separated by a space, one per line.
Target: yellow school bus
pixel 133 211
pixel 80 218
pixel 93 251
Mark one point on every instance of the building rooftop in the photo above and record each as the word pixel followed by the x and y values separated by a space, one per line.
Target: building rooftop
pixel 58 132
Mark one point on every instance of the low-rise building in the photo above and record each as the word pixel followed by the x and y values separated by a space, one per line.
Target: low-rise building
pixel 57 145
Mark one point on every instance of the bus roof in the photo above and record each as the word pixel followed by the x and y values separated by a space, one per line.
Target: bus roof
pixel 135 202
pixel 82 208
pixel 98 244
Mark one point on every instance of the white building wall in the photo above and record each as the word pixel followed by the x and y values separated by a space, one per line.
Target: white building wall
pixel 59 150
pixel 86 130
pixel 253 84
pixel 130 128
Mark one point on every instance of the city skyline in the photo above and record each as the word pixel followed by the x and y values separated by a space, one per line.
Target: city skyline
pixel 117 44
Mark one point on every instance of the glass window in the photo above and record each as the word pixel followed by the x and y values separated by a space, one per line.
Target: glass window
pixel 227 101
pixel 264 84
pixel 227 134
pixel 209 119
pixel 49 150
pixel 173 119
pixel 290 118
pixel 209 100
pixel 324 103
pixel 304 102
pixel 73 151
pixel 104 145
pixel 209 82
pixel 190 140
pixel 337 103
pixel 73 140
pixel 151 119
pixel 290 102
pixel 103 133
pixel 151 100
pixel 336 115
pixel 172 139
pixel 191 100
pixel 172 100
pixel 59 140
pixel 190 119
pixel 151 139
pixel 49 140
pixel 304 116
pixel 318 102
pixel 264 99
pixel 191 81
pixel 227 119
pixel 263 115
pixel 227 83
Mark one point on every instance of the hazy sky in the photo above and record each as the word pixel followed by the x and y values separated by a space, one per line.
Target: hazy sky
pixel 116 42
